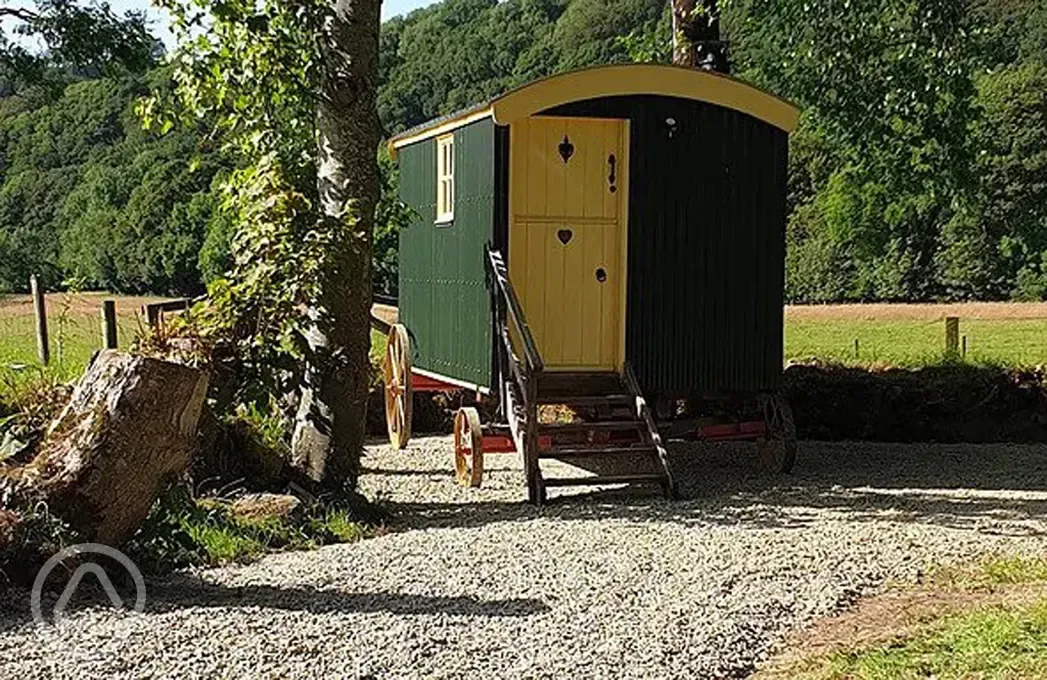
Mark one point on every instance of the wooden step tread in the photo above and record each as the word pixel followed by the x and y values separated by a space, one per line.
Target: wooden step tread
pixel 583 452
pixel 609 425
pixel 598 481
pixel 600 400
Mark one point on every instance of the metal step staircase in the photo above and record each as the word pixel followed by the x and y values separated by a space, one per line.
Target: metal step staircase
pixel 608 436
pixel 611 432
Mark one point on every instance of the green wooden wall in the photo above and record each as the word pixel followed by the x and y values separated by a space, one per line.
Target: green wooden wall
pixel 443 299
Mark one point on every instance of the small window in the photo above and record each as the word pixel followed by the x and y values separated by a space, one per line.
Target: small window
pixel 445 178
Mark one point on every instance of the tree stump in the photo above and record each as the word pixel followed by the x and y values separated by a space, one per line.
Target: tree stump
pixel 130 425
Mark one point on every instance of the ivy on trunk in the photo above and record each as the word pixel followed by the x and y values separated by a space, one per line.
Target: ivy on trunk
pixel 329 426
pixel 291 87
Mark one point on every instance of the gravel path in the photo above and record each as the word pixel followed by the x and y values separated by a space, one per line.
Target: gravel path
pixel 598 585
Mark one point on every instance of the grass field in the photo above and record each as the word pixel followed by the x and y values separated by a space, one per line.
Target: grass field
pixel 75 330
pixel 903 335
pixel 914 335
pixel 74 327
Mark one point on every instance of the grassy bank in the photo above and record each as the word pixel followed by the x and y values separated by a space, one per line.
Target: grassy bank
pixel 983 621
pixel 182 531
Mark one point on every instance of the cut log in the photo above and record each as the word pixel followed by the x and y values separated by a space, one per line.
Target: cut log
pixel 261 507
pixel 130 425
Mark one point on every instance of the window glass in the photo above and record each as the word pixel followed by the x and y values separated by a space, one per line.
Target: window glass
pixel 445 178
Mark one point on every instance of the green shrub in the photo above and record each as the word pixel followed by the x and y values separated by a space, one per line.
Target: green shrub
pixel 182 531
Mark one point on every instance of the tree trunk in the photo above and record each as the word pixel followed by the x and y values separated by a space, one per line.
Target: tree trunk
pixel 696 36
pixel 330 423
pixel 683 20
pixel 129 425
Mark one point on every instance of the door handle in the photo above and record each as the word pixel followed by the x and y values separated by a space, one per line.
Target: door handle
pixel 612 179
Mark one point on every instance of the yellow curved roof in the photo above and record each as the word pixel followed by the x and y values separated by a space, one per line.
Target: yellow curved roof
pixel 611 81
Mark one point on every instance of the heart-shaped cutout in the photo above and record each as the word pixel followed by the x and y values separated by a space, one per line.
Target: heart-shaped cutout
pixel 566 149
pixel 565 236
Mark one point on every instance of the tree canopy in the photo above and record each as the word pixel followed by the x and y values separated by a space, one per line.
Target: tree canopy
pixel 83 38
pixel 88 195
pixel 897 172
pixel 918 171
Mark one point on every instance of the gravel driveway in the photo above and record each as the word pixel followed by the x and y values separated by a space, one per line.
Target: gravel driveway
pixel 596 585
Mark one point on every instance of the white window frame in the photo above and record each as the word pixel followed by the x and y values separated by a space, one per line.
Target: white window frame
pixel 445 179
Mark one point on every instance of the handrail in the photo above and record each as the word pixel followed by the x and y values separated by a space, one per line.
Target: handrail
pixel 652 434
pixel 524 375
pixel 500 276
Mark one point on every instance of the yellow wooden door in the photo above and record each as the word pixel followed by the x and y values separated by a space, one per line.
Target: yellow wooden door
pixel 568 197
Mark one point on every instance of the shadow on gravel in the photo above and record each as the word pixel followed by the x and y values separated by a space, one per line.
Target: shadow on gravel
pixel 184 592
pixel 404 473
pixel 14 610
pixel 997 488
pixel 181 592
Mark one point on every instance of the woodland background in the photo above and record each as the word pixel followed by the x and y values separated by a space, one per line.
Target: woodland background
pixel 919 171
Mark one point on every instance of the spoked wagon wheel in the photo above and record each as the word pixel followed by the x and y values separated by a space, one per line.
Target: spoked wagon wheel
pixel 468 448
pixel 777 449
pixel 398 396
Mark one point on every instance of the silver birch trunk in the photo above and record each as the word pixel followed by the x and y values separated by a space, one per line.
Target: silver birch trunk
pixel 330 424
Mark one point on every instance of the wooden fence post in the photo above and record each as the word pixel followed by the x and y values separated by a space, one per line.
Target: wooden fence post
pixel 40 308
pixel 952 336
pixel 109 337
pixel 152 315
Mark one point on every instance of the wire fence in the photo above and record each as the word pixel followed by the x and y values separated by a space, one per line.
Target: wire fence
pixel 75 332
pixel 76 326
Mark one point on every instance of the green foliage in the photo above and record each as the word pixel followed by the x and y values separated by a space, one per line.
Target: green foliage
pixel 27 407
pixel 87 194
pixel 391 216
pixel 1010 31
pixel 915 175
pixel 253 72
pixel 254 315
pixel 182 531
pixel 88 38
pixel 887 98
pixel 886 78
pixel 29 536
pixel 339 526
pixel 1011 139
pixel 652 43
pixel 455 53
pixel 991 572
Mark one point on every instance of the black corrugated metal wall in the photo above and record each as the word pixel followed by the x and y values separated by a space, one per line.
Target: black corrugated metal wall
pixel 707 212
